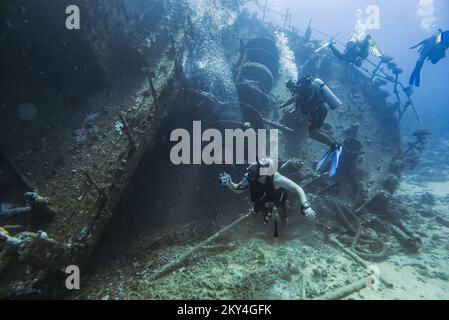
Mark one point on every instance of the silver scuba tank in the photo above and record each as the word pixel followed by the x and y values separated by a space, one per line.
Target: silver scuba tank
pixel 330 98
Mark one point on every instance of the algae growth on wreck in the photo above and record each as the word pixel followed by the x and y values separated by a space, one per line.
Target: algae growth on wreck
pixel 173 149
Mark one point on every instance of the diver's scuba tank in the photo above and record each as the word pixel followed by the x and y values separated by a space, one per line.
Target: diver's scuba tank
pixel 330 98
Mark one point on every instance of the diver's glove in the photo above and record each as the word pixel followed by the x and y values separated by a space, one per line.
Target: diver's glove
pixel 225 179
pixel 308 211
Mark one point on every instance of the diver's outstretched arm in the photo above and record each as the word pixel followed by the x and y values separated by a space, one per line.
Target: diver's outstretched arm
pixel 290 101
pixel 338 54
pixel 419 44
pixel 292 188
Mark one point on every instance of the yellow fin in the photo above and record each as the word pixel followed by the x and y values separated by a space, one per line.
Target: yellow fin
pixel 4 232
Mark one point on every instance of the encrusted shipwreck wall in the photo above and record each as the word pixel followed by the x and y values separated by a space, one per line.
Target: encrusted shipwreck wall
pixel 79 108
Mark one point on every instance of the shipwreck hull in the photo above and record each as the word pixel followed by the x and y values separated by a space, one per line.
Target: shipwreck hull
pixel 74 154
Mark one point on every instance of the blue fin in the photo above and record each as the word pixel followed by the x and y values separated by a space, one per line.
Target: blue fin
pixel 323 160
pixel 335 161
pixel 415 79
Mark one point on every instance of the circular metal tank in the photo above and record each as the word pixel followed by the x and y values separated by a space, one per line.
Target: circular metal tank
pixel 258 73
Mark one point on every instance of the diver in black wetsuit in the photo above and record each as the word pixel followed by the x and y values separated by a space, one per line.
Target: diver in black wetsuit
pixel 432 49
pixel 355 51
pixel 310 96
pixel 269 189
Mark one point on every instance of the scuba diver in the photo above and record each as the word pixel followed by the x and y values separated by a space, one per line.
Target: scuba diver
pixel 269 189
pixel 356 50
pixel 432 49
pixel 310 96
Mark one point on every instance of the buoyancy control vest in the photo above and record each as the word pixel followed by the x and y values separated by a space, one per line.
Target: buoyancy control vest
pixel 262 193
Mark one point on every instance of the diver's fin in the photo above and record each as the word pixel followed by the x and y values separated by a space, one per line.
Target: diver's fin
pixel 375 51
pixel 335 161
pixel 323 160
pixel 415 79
